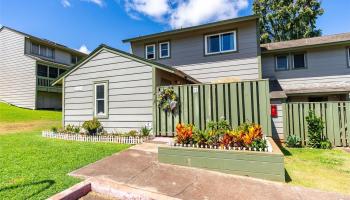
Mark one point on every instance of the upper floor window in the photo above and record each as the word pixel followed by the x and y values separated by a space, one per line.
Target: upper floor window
pixel 74 59
pixel 282 62
pixel 348 51
pixel 101 104
pixel 299 61
pixel 220 43
pixel 41 50
pixel 164 50
pixel 151 51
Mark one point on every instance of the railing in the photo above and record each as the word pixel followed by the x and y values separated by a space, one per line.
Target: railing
pixel 44 84
pixel 335 115
pixel 239 102
pixel 97 138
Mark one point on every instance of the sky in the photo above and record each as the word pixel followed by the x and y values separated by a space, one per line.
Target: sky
pixel 85 24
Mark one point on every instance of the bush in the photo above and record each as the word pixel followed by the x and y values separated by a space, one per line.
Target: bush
pixel 145 131
pixel 92 126
pixel 216 131
pixel 315 128
pixel 326 144
pixel 200 137
pixel 54 129
pixel 245 134
pixel 259 144
pixel 132 133
pixel 184 133
pixel 293 141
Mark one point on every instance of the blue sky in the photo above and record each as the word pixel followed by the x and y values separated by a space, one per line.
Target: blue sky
pixel 91 22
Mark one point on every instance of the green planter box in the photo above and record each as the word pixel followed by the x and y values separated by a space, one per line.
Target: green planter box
pixel 264 165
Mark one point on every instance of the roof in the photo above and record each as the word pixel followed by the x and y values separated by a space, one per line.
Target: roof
pixel 327 40
pixel 193 28
pixel 125 54
pixel 48 42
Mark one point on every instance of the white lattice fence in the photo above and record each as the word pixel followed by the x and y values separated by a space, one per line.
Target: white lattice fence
pixel 97 138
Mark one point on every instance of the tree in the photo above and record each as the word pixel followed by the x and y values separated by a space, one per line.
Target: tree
pixel 282 20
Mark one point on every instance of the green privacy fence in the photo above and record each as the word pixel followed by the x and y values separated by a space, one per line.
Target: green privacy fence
pixel 198 104
pixel 335 115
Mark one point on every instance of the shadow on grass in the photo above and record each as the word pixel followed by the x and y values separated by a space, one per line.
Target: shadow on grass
pixel 285 153
pixel 46 185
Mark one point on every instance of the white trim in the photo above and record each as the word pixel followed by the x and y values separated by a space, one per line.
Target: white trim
pixel 160 50
pixel 154 51
pixel 220 35
pixel 276 63
pixel 305 60
pixel 105 90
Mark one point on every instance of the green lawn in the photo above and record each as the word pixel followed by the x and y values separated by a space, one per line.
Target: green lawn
pixel 32 167
pixel 327 170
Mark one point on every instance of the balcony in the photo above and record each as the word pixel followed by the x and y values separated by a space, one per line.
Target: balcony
pixel 44 85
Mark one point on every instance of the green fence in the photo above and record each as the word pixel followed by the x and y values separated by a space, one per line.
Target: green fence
pixel 335 115
pixel 238 102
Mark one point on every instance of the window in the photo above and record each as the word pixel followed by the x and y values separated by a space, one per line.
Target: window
pixel 349 56
pixel 220 43
pixel 42 51
pixel 61 71
pixel 299 61
pixel 164 50
pixel 53 72
pixel 75 59
pixel 101 99
pixel 282 62
pixel 42 70
pixel 151 51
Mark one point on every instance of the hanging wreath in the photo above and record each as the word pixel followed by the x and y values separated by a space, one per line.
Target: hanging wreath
pixel 167 100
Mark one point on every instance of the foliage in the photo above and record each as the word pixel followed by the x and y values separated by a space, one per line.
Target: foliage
pixel 246 133
pixel 145 131
pixel 167 100
pixel 200 137
pixel 282 20
pixel 184 133
pixel 54 129
pixel 293 141
pixel 315 127
pixel 92 126
pixel 326 144
pixel 71 129
pixel 132 133
pixel 259 144
pixel 217 130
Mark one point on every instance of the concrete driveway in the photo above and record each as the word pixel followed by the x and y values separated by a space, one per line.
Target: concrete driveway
pixel 138 168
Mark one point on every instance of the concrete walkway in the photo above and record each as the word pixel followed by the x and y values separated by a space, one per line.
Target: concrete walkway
pixel 138 168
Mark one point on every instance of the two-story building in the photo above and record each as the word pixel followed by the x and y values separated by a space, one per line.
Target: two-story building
pixel 28 65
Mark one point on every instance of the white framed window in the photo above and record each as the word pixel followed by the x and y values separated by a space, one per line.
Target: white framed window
pixel 282 62
pixel 164 50
pixel 101 99
pixel 42 50
pixel 150 51
pixel 299 60
pixel 220 43
pixel 348 53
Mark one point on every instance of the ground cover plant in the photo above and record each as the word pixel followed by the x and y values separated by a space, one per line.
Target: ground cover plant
pixel 33 167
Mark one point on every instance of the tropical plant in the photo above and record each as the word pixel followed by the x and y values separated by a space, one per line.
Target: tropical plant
pixel 200 137
pixel 282 20
pixel 293 141
pixel 167 100
pixel 246 133
pixel 216 131
pixel 145 131
pixel 326 144
pixel 92 126
pixel 315 127
pixel 184 133
pixel 259 144
pixel 132 133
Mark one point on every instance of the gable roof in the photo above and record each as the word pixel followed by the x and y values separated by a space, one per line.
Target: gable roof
pixel 45 41
pixel 343 38
pixel 128 55
pixel 193 28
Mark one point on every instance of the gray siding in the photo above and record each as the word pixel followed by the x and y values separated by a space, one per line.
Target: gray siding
pixel 17 71
pixel 277 122
pixel 187 54
pixel 130 92
pixel 325 67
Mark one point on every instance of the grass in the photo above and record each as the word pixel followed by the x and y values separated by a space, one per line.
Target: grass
pixel 32 167
pixel 327 170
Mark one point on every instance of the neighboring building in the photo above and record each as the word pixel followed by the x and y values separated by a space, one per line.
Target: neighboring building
pixel 28 65
pixel 116 87
pixel 225 49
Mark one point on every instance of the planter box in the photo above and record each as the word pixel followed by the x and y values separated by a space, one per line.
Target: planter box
pixel 264 165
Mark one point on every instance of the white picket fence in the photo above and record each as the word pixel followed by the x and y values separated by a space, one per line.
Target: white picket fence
pixel 97 138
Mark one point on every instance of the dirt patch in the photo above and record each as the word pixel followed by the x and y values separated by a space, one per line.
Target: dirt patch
pixel 6 128
pixel 96 196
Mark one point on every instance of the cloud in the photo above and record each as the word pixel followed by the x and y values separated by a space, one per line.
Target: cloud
pixel 65 3
pixel 83 48
pixel 184 13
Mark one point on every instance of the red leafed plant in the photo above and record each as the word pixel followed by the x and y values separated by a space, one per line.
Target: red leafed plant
pixel 226 140
pixel 184 133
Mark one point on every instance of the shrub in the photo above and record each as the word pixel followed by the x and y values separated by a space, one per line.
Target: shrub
pixel 326 144
pixel 315 128
pixel 92 126
pixel 293 141
pixel 246 133
pixel 184 133
pixel 259 144
pixel 54 129
pixel 216 131
pixel 200 137
pixel 71 129
pixel 132 133
pixel 145 131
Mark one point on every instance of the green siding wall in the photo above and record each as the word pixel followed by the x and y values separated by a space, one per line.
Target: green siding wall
pixel 263 165
pixel 237 102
